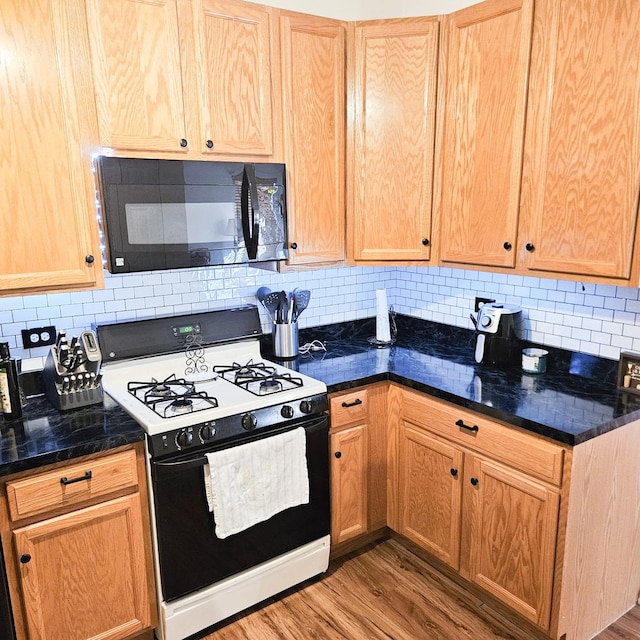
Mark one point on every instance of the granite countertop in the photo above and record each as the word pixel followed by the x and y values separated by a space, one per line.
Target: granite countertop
pixel 45 435
pixel 574 401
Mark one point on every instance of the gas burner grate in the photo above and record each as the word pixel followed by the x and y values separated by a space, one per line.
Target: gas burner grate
pixel 239 373
pixel 171 397
pixel 258 378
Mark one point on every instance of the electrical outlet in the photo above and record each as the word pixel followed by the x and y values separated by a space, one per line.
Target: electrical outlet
pixel 38 337
pixel 480 301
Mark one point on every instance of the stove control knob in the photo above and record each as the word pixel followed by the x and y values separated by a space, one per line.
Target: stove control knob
pixel 184 438
pixel 305 406
pixel 207 432
pixel 287 411
pixel 249 421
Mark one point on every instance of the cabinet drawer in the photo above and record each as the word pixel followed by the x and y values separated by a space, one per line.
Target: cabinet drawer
pixel 349 408
pixel 534 456
pixel 71 484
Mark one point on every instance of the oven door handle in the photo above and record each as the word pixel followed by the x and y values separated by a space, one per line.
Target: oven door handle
pixel 183 464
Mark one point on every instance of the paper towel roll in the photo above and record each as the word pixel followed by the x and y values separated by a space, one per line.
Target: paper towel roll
pixel 383 332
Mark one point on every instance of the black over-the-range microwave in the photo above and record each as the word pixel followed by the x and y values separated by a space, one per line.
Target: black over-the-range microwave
pixel 172 214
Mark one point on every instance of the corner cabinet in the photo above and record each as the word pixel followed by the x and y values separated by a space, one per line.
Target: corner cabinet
pixel 487 71
pixel 482 497
pixel 187 77
pixel 393 70
pixel 358 463
pixel 47 211
pixel 581 174
pixel 314 104
pixel 77 547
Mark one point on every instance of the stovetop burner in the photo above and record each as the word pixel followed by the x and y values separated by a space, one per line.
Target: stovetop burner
pixel 258 378
pixel 171 396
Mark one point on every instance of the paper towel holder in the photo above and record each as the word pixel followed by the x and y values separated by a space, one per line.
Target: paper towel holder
pixel 394 332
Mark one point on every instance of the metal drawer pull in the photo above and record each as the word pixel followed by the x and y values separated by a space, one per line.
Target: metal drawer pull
pixel 355 403
pixel 86 476
pixel 462 425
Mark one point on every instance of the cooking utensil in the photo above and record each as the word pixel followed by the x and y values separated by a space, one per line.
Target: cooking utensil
pixel 272 303
pixel 300 301
pixel 262 293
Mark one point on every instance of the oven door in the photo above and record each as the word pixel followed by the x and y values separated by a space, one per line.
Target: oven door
pixel 190 555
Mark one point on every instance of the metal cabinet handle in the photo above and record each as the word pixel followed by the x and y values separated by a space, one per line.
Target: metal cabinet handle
pixel 355 403
pixel 474 481
pixel 338 454
pixel 454 472
pixel 65 481
pixel 425 242
pixel 183 142
pixel 209 144
pixel 467 427
pixel 529 246
pixel 24 558
pixel 507 246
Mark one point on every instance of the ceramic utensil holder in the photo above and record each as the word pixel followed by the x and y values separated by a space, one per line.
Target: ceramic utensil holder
pixel 285 339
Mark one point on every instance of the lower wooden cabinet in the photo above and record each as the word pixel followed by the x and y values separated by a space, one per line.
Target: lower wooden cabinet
pixel 430 493
pixel 81 571
pixel 494 524
pixel 510 522
pixel 349 483
pixel 358 462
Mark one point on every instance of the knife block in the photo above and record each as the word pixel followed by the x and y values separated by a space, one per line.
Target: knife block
pixel 67 388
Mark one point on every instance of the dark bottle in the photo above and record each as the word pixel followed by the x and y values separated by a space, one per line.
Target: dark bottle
pixel 9 385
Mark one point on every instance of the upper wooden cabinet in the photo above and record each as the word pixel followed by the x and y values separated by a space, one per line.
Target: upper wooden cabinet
pixel 581 173
pixel 314 104
pixel 190 77
pixel 393 72
pixel 47 212
pixel 488 47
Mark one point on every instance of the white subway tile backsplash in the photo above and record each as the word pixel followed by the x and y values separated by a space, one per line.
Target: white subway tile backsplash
pixel 597 319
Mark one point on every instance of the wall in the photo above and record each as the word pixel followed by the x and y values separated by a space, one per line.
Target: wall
pixel 370 9
pixel 599 319
pixel 337 295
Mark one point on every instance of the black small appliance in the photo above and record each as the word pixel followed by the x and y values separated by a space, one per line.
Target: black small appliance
pixel 498 334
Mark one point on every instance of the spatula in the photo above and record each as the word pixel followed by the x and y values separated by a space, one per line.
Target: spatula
pixel 300 301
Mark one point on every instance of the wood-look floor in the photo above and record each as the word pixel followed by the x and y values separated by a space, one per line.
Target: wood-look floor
pixel 385 592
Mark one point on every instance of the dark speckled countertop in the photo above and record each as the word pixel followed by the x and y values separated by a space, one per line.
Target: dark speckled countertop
pixel 46 435
pixel 574 401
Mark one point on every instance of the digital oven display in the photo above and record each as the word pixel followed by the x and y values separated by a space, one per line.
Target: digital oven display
pixel 185 330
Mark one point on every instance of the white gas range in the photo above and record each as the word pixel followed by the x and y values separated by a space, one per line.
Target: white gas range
pixel 198 384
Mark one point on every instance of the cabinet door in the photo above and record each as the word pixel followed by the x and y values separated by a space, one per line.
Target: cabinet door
pixel 135 54
pixel 83 574
pixel 486 88
pixel 47 213
pixel 348 483
pixel 510 537
pixel 395 77
pixel 581 173
pixel 313 74
pixel 234 76
pixel 430 487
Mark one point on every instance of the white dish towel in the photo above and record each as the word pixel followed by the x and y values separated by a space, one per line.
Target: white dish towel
pixel 250 483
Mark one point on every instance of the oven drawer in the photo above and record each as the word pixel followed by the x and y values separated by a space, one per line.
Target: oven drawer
pixel 71 485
